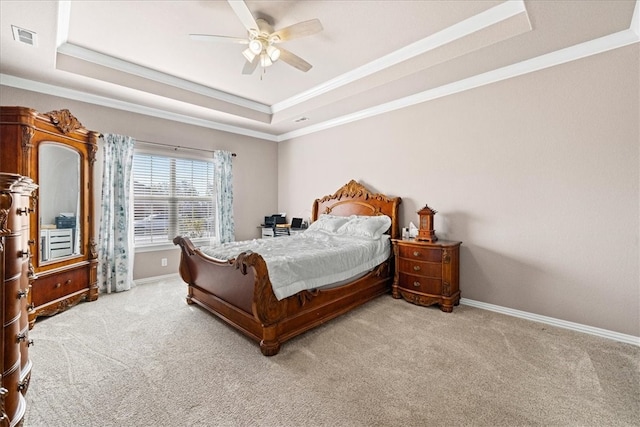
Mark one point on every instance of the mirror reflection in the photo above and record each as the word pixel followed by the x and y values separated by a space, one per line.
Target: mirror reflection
pixel 59 201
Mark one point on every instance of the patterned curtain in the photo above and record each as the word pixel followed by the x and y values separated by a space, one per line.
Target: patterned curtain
pixel 115 239
pixel 223 175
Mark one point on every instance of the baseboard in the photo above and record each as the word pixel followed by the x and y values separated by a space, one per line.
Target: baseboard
pixel 629 339
pixel 146 280
pixel 604 333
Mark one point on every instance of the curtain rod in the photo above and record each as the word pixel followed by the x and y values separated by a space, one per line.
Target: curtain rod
pixel 177 147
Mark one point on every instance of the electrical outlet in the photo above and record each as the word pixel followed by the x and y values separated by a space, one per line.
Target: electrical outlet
pixel 163 262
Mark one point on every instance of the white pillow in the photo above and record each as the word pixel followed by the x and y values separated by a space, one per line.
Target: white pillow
pixel 328 223
pixel 372 227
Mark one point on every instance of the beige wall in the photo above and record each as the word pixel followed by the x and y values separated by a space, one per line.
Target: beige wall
pixel 536 175
pixel 254 168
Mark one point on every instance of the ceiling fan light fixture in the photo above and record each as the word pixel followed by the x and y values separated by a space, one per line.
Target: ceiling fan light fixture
pixel 261 40
pixel 265 61
pixel 274 53
pixel 249 54
pixel 255 46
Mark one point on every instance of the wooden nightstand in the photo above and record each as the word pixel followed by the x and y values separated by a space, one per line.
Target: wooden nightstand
pixel 427 273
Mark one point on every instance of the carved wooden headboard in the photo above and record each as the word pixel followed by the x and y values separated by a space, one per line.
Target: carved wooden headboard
pixel 355 199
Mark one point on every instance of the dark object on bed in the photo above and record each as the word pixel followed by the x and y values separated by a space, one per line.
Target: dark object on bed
pixel 239 291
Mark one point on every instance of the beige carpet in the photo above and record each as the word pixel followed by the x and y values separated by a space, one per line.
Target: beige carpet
pixel 145 358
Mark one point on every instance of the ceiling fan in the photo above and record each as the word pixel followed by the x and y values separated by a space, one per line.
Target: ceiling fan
pixel 262 39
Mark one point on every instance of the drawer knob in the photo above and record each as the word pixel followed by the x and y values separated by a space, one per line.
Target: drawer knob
pixel 58 285
pixel 23 385
pixel 24 211
pixel 30 343
pixel 416 284
pixel 416 253
pixel 31 307
pixel 23 254
pixel 416 268
pixel 21 337
pixel 68 282
pixel 22 293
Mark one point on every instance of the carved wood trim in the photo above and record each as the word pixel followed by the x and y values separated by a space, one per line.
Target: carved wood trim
pixel 419 299
pixel 93 149
pixel 265 306
pixel 446 289
pixel 31 272
pixel 59 306
pixel 6 200
pixel 4 418
pixel 307 295
pixel 64 121
pixel 27 135
pixel 354 189
pixel 93 249
pixel 355 198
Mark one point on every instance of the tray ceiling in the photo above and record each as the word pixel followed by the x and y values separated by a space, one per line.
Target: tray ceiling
pixel 371 57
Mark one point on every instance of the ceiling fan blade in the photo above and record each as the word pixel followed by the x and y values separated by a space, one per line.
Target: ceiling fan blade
pixel 212 38
pixel 244 14
pixel 294 60
pixel 250 67
pixel 301 29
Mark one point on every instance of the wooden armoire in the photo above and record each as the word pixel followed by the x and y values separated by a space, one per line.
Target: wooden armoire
pixel 56 151
pixel 47 249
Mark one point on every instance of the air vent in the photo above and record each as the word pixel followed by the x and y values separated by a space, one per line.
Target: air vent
pixel 24 36
pixel 301 119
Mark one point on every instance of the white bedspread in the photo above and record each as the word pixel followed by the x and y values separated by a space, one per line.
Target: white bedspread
pixel 310 259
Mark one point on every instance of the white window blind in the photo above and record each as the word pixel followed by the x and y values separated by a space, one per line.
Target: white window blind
pixel 172 196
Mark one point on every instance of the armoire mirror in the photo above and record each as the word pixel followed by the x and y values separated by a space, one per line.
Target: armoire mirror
pixel 59 196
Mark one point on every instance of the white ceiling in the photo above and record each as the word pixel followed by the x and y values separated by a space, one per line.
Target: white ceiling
pixel 371 57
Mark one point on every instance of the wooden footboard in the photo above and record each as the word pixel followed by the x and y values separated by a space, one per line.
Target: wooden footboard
pixel 240 293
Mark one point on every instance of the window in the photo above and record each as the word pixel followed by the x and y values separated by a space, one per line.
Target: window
pixel 172 196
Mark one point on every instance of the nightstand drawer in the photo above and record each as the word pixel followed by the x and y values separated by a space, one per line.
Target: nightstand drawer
pixel 420 268
pixel 423 284
pixel 421 253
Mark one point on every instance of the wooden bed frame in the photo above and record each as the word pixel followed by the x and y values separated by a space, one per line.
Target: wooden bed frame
pixel 239 291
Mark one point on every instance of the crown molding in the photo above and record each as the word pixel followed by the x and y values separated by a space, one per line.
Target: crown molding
pixel 576 52
pixel 635 19
pixel 573 53
pixel 459 30
pixel 75 51
pixel 450 34
pixel 114 63
pixel 21 83
pixel 582 50
pixel 64 20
